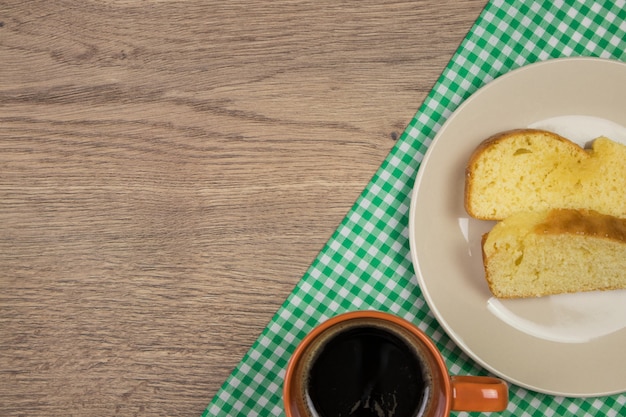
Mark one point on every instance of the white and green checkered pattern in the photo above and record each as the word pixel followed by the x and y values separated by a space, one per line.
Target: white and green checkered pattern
pixel 366 264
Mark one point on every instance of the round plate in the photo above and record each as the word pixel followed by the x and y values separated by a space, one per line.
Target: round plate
pixel 571 345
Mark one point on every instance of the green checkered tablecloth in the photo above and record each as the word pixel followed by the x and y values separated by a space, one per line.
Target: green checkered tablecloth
pixel 366 264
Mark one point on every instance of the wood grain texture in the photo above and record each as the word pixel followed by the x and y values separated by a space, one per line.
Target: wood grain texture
pixel 170 169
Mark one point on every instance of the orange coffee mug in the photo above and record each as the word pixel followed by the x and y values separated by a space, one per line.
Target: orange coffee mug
pixel 369 363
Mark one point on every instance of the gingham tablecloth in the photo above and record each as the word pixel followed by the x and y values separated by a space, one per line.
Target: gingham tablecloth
pixel 366 264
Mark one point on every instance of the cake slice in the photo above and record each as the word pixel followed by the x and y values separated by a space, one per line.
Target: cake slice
pixel 530 170
pixel 533 254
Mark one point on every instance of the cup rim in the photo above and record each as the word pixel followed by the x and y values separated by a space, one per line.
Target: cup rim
pixel 288 397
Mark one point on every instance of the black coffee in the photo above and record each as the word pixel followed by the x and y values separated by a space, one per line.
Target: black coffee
pixel 368 371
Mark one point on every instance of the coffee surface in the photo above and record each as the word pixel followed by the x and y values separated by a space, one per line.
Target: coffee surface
pixel 368 371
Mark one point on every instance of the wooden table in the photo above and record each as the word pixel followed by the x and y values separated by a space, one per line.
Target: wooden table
pixel 170 169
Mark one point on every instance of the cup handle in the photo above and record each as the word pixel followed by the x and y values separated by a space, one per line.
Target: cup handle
pixel 479 393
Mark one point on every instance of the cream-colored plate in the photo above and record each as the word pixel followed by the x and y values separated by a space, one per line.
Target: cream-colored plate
pixel 572 345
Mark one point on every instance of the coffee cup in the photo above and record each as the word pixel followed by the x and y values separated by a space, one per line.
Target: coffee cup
pixel 370 363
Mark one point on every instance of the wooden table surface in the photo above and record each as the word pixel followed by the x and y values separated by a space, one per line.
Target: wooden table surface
pixel 170 169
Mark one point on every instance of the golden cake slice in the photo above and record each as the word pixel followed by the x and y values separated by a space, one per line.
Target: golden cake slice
pixel 533 254
pixel 530 170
